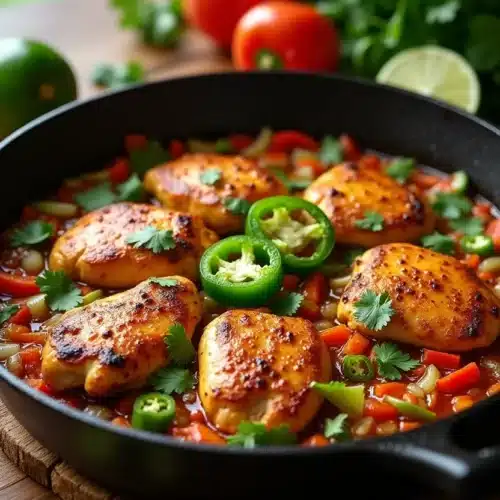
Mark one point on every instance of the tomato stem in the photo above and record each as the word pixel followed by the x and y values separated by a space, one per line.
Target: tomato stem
pixel 267 59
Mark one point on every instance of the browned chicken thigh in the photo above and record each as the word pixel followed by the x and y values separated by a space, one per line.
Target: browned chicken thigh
pixel 116 343
pixel 212 186
pixel 439 302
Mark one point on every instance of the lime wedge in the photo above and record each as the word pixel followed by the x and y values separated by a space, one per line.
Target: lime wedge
pixel 434 72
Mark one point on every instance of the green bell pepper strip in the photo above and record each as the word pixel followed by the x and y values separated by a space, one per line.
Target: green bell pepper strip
pixel 153 412
pixel 357 368
pixel 270 218
pixel 348 399
pixel 459 182
pixel 410 410
pixel 481 245
pixel 247 281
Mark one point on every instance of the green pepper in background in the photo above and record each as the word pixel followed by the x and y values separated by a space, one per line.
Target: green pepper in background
pixel 153 412
pixel 348 399
pixel 410 410
pixel 358 368
pixel 162 24
pixel 241 271
pixel 481 245
pixel 459 182
pixel 271 218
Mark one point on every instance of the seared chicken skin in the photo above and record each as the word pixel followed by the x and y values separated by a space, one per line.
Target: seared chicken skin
pixel 182 185
pixel 95 249
pixel 257 366
pixel 116 343
pixel 347 192
pixel 439 302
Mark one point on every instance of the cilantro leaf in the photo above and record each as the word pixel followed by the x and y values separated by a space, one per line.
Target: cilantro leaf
pixel 451 205
pixel 444 13
pixel 401 169
pixel 180 348
pixel 237 206
pixel 62 294
pixel 143 159
pixel 472 226
pixel 330 151
pixel 374 311
pixel 291 183
pixel 173 379
pixel 211 176
pixel 391 361
pixel 116 75
pixel 97 197
pixel 337 428
pixel 156 240
pixel 439 243
pixel 286 304
pixel 32 233
pixel 130 12
pixel 7 311
pixel 253 434
pixel 166 282
pixel 373 221
pixel 131 189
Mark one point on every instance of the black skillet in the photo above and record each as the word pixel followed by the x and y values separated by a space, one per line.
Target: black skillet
pixel 457 457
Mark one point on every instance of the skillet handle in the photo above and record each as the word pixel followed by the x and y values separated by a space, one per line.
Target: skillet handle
pixel 461 454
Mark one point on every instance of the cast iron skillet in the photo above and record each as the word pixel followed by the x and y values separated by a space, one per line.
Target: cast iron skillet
pixel 458 456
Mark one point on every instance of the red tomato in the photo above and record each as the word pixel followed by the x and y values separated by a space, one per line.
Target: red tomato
pixel 287 35
pixel 217 18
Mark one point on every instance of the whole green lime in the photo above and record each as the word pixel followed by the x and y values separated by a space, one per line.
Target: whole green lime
pixel 34 79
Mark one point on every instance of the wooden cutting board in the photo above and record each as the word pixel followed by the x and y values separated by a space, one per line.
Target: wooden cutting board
pixel 86 32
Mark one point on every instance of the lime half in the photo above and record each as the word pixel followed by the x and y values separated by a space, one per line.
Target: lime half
pixel 434 72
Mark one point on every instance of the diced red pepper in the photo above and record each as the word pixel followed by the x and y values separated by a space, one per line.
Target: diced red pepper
pixel 119 171
pixel 135 141
pixel 121 421
pixel 379 410
pixel 349 148
pixel 32 360
pixel 424 181
pixel 316 166
pixel 288 140
pixel 197 416
pixel 336 336
pixel 460 380
pixel 197 433
pixel 316 288
pixel 240 141
pixel 309 310
pixel 370 162
pixel 394 389
pixel 316 440
pixel 472 260
pixel 176 148
pixel 29 213
pixel 493 230
pixel 483 211
pixel 357 344
pixel 408 425
pixel 441 359
pixel 18 286
pixel 22 316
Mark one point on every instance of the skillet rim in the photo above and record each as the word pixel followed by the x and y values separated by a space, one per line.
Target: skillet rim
pixel 164 440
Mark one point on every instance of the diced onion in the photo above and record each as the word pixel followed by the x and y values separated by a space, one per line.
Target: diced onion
pixel 92 296
pixel 416 390
pixel 32 262
pixel 38 307
pixel 341 282
pixel 329 310
pixel 490 265
pixel 52 320
pixel 363 426
pixel 57 208
pixel 100 412
pixel 386 428
pixel 260 145
pixel 323 325
pixel 429 379
pixel 15 365
pixel 8 350
pixel 496 290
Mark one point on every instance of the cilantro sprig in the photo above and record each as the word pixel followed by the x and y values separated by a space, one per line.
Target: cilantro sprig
pixel 211 176
pixel 237 206
pixel 32 233
pixel 438 242
pixel 7 311
pixel 400 169
pixel 286 304
pixel 451 205
pixel 173 379
pixel 152 238
pixel 180 348
pixel 61 293
pixel 472 226
pixel 254 434
pixel 337 428
pixel 150 156
pixel 374 310
pixel 391 361
pixel 372 221
pixel 330 152
pixel 166 282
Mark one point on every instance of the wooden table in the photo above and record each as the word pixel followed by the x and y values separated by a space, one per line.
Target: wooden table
pixel 86 32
